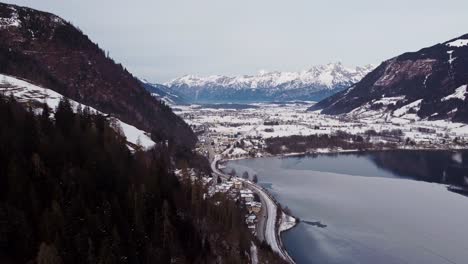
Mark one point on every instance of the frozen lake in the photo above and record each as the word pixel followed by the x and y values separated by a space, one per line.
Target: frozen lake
pixel 378 207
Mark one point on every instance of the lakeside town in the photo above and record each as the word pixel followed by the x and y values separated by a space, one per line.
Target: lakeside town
pixel 240 131
pixel 235 189
pixel 264 216
pixel 233 131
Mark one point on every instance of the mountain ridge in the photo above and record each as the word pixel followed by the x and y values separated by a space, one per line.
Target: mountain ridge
pixel 35 46
pixel 316 82
pixel 162 92
pixel 431 79
pixel 318 75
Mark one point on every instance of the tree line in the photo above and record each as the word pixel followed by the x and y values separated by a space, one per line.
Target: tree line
pixel 340 139
pixel 72 192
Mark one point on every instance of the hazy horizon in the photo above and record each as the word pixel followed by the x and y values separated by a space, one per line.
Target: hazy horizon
pixel 162 40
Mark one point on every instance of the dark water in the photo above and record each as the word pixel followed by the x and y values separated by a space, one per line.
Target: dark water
pixel 380 207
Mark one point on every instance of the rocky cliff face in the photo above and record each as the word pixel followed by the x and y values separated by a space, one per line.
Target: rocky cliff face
pixel 431 83
pixel 50 52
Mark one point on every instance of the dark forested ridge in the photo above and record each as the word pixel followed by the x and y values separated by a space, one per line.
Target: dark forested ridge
pixel 50 52
pixel 72 192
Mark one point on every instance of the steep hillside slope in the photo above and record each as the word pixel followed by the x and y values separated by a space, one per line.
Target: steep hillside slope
pixel 71 192
pixel 313 84
pixel 430 83
pixel 50 52
pixel 35 97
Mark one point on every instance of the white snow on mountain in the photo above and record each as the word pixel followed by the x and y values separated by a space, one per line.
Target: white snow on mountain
pixel 160 92
pixel 416 105
pixel 12 21
pixel 460 93
pixel 323 75
pixel 143 80
pixel 26 92
pixel 458 43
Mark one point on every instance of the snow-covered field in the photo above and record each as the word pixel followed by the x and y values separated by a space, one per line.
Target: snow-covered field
pixel 26 92
pixel 227 126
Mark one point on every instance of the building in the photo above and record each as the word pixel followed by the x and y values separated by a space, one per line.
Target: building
pixel 251 219
pixel 237 184
pixel 247 197
pixel 254 207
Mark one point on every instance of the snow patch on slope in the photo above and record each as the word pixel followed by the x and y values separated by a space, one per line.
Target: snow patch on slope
pixel 460 93
pixel 404 109
pixel 135 135
pixel 26 92
pixel 12 21
pixel 389 100
pixel 458 43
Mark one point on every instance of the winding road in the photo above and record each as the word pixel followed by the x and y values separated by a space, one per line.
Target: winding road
pixel 268 232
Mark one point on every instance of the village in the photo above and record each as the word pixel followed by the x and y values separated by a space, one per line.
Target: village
pixel 236 189
pixel 240 132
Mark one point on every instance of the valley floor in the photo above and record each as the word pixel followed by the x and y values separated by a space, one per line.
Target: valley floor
pixel 240 133
pixel 259 130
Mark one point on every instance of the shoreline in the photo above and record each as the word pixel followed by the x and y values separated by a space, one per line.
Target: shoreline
pixel 341 151
pixel 273 224
pixel 280 219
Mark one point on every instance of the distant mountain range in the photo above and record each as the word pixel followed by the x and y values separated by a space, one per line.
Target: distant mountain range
pixel 430 83
pixel 308 85
pixel 162 92
pixel 47 51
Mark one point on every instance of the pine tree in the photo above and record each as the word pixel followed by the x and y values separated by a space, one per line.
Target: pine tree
pixel 48 254
pixel 233 173
pixel 64 116
pixel 255 178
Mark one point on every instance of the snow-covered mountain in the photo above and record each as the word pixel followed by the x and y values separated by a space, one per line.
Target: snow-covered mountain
pixel 50 52
pixel 427 84
pixel 162 92
pixel 313 84
pixel 34 96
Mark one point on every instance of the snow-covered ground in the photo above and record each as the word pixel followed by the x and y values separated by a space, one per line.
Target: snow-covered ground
pixel 136 136
pixel 254 253
pixel 26 92
pixel 287 222
pixel 231 134
pixel 225 127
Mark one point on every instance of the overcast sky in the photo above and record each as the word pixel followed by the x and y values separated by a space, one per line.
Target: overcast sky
pixel 159 40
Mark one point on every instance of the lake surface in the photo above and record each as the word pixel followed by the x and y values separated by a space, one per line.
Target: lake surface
pixel 378 207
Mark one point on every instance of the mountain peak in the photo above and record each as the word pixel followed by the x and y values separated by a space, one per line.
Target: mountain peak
pixel 311 84
pixel 13 16
pixel 36 45
pixel 326 75
pixel 434 78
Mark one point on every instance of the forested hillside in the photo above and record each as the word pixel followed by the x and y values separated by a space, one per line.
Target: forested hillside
pixel 50 52
pixel 72 192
